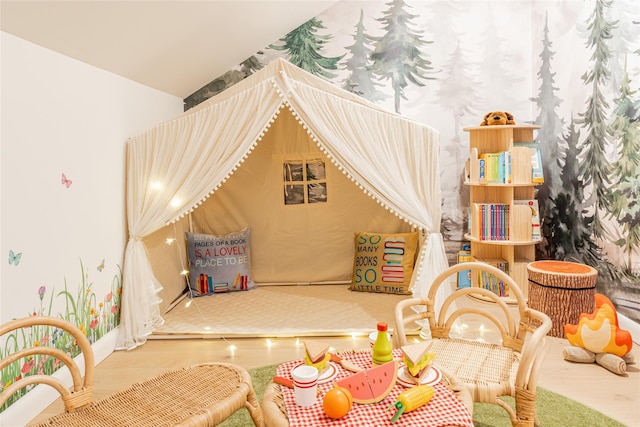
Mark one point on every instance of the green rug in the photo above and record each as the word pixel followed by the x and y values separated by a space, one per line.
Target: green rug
pixel 553 409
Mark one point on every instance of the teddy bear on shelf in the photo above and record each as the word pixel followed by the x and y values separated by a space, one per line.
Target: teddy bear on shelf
pixel 597 338
pixel 498 118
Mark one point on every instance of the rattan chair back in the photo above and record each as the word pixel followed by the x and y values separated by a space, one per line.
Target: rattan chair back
pixel 80 393
pixel 490 370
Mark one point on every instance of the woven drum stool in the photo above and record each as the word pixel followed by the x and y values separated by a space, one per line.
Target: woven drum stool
pixel 563 290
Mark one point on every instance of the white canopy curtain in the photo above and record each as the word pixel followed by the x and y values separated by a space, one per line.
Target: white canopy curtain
pixel 174 167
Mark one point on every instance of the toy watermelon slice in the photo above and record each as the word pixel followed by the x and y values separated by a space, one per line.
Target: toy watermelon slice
pixel 358 386
pixel 372 385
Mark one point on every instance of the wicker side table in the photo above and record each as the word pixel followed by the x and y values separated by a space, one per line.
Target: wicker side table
pixel 200 395
pixel 275 411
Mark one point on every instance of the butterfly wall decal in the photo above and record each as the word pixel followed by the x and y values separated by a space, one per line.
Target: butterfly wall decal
pixel 14 258
pixel 65 181
pixel 101 266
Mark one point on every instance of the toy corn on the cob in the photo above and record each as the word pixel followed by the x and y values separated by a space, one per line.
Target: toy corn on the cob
pixel 412 399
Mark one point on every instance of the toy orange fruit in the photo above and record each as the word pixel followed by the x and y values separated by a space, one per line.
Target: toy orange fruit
pixel 337 402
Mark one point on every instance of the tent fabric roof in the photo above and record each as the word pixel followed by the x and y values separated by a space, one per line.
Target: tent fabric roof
pixel 175 166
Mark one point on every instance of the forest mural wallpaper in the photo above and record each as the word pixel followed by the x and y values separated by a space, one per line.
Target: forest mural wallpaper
pixel 572 67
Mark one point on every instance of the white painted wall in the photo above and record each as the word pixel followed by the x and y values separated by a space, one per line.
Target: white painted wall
pixel 59 115
pixel 63 116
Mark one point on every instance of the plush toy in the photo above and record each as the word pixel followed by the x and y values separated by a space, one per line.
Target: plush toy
pixel 498 118
pixel 597 338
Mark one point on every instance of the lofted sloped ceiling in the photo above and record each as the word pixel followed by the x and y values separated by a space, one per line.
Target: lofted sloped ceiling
pixel 173 46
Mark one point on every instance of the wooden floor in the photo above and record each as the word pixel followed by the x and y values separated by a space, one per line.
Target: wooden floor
pixel 592 385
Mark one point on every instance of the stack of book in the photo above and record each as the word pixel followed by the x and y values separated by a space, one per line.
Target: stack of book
pixel 495 168
pixel 521 165
pixel 493 221
pixel 490 282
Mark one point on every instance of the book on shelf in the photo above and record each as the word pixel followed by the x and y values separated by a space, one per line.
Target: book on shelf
pixel 495 168
pixel 489 281
pixel 537 175
pixel 492 220
pixel 486 165
pixel 535 216
pixel 464 276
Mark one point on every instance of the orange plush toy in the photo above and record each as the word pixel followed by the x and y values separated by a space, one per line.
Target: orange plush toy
pixel 498 118
pixel 597 338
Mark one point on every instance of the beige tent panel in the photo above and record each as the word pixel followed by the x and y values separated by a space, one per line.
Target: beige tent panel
pixel 299 243
pixel 291 244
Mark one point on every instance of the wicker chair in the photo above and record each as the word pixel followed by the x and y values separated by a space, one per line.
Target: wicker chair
pixel 199 395
pixel 490 370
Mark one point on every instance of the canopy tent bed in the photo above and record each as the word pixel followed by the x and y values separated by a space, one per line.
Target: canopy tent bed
pixel 187 174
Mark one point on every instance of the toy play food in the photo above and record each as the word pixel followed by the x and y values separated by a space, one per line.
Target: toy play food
pixel 372 385
pixel 337 402
pixel 382 349
pixel 346 364
pixel 418 360
pixel 411 399
pixel 316 354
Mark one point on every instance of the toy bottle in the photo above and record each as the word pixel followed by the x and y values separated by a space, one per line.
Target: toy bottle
pixel 382 351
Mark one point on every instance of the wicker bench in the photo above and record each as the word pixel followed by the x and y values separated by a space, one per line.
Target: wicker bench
pixel 199 395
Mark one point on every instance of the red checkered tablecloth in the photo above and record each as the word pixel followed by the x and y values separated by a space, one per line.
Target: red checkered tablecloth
pixel 444 409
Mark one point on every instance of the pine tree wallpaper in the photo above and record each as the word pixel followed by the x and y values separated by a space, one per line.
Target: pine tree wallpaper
pixel 572 67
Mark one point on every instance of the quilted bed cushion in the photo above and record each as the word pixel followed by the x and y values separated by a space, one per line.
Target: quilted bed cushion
pixel 219 263
pixel 384 262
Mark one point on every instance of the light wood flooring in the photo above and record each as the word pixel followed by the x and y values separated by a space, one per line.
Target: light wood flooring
pixel 592 385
